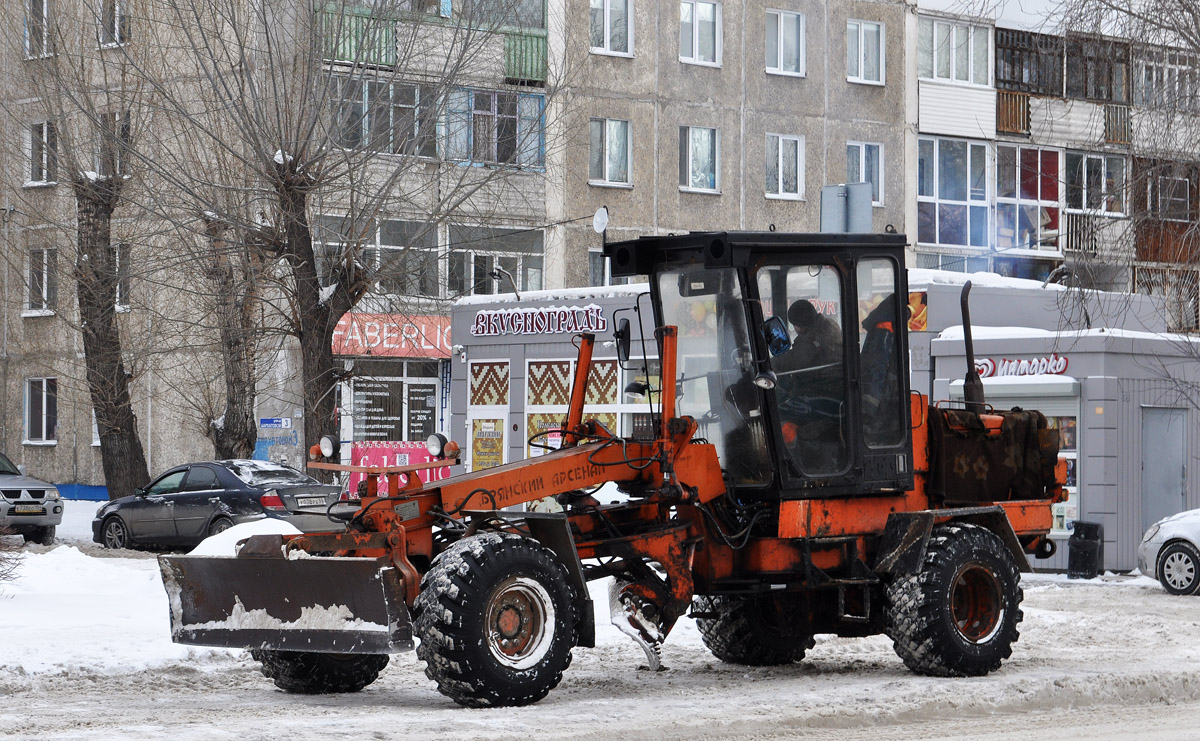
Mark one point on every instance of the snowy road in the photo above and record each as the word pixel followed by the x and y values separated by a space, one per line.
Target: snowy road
pixel 84 654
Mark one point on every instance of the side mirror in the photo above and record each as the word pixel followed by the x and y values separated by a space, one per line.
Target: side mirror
pixel 776 334
pixel 622 337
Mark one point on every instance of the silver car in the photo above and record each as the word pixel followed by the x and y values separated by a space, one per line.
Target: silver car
pixel 1169 552
pixel 28 507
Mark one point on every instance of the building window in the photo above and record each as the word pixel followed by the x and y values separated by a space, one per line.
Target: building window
pixel 611 26
pixel 785 43
pixel 38 22
pixel 1029 62
pixel 112 158
pixel 1027 198
pixel 864 52
pixel 477 251
pixel 785 166
pixel 864 164
pixel 43 281
pixel 700 32
pixel 393 400
pixel 1166 79
pixel 404 260
pixel 699 159
pixel 952 51
pixel 599 272
pixel 114 23
pixel 41 410
pixel 490 15
pixel 952 192
pixel 121 302
pixel 385 116
pixel 498 127
pixel 1097 69
pixel 1096 183
pixel 609 152
pixel 1170 198
pixel 43 153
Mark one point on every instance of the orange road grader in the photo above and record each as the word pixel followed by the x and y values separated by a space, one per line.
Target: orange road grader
pixel 790 485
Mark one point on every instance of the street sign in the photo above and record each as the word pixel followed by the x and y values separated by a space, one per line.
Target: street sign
pixel 275 423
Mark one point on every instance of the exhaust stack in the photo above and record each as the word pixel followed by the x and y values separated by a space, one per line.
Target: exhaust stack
pixel 972 383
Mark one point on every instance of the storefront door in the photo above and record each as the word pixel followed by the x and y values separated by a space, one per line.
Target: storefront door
pixel 1163 445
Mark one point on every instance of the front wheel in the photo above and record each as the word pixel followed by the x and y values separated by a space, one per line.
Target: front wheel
pixel 41 535
pixel 496 620
pixel 762 630
pixel 311 673
pixel 1179 568
pixel 958 615
pixel 113 533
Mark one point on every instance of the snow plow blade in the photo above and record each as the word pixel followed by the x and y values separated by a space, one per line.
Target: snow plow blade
pixel 327 605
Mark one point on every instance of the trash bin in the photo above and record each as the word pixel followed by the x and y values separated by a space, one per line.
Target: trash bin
pixel 1085 550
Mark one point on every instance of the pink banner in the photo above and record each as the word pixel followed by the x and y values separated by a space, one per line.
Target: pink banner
pixel 392 454
pixel 392 335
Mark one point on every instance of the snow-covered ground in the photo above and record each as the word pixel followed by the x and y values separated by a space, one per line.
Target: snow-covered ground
pixel 85 653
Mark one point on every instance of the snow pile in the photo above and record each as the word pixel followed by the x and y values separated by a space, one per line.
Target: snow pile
pixel 225 543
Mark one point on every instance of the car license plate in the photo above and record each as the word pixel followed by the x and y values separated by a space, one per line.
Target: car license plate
pixel 29 509
pixel 310 501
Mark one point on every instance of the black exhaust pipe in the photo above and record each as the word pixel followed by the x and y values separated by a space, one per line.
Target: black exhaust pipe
pixel 972 383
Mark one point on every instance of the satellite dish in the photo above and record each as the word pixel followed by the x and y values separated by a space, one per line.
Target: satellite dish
pixel 600 220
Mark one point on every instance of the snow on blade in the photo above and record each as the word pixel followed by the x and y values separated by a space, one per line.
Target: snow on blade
pixel 335 617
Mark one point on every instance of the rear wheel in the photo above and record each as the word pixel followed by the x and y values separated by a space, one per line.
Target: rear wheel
pixel 312 673
pixel 958 615
pixel 41 535
pixel 113 533
pixel 1179 568
pixel 219 525
pixel 765 630
pixel 496 620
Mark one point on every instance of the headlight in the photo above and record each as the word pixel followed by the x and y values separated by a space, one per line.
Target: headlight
pixel 436 444
pixel 329 446
pixel 1151 532
pixel 52 493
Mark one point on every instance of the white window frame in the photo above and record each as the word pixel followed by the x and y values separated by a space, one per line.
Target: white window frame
pixel 121 270
pixel 42 158
pixel 937 56
pixel 858 27
pixel 39 436
pixel 801 42
pixel 973 198
pixel 464 121
pixel 686 167
pixel 117 34
pixel 44 40
pixel 606 11
pixel 861 147
pixel 1019 201
pixel 1106 161
pixel 606 178
pixel 779 193
pixel 49 282
pixel 718 32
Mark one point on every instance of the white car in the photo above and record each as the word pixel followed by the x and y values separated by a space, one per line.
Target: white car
pixel 1169 552
pixel 28 507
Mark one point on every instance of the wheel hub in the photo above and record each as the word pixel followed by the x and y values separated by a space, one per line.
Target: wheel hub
pixel 519 622
pixel 976 602
pixel 1178 570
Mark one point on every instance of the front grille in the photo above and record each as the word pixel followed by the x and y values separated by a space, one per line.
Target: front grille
pixel 37 493
pixel 16 493
pixel 11 493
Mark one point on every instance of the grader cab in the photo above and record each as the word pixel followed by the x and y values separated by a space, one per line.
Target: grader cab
pixel 792 486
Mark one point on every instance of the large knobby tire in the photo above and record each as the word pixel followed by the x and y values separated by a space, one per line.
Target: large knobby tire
pixel 496 620
pixel 310 673
pixel 1179 568
pixel 41 535
pixel 113 533
pixel 957 616
pixel 765 630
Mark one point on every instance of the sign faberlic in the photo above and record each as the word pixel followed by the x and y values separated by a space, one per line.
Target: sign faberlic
pixel 546 320
pixel 392 335
pixel 1053 364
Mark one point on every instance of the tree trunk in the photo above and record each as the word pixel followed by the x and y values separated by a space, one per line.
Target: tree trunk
pixel 121 450
pixel 236 434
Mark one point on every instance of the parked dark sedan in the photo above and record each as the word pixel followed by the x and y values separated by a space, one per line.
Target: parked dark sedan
pixel 188 503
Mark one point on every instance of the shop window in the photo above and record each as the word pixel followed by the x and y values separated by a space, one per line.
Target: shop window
pixel 952 52
pixel 487 413
pixel 1027 198
pixel 477 252
pixel 1096 183
pixel 785 43
pixel 394 400
pixel 952 192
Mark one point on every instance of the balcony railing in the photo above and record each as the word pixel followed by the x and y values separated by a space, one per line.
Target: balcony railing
pixel 1081 233
pixel 1117 125
pixel 1012 112
pixel 357 37
pixel 525 57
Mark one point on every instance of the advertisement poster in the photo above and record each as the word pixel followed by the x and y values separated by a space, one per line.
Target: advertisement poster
pixel 546 425
pixel 487 443
pixel 392 454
